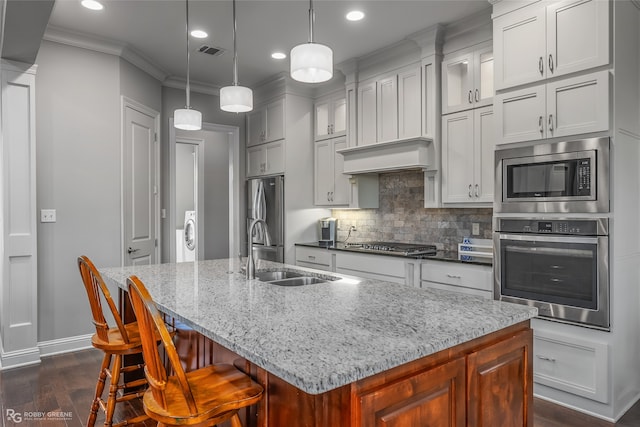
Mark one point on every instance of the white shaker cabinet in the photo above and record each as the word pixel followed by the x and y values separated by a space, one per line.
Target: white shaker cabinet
pixel 468 156
pixel 550 39
pixel 266 123
pixel 318 258
pixel 467 79
pixel 330 116
pixel 266 159
pixel 470 279
pixel 331 185
pixel 560 108
pixel 367 114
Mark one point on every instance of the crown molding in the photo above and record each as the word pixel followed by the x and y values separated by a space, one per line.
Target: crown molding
pixel 430 39
pixel 110 47
pixel 18 67
pixel 194 86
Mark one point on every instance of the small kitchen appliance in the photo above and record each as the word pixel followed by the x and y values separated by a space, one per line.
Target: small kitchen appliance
pixel 328 231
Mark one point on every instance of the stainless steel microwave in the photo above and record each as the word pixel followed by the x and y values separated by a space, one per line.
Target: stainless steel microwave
pixel 559 177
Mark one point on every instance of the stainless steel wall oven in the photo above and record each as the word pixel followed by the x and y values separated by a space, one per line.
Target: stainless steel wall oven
pixel 560 266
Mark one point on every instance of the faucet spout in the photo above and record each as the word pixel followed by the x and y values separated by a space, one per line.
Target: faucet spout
pixel 251 267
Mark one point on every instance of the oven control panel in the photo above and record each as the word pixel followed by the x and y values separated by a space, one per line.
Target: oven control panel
pixel 581 227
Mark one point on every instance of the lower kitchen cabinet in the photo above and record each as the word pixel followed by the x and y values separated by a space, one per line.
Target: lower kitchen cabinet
pixel 265 159
pixel 468 279
pixel 320 259
pixel 380 267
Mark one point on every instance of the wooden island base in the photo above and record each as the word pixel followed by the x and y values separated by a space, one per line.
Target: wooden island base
pixel 484 382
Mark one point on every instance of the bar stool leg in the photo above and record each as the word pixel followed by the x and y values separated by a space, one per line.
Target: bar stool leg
pixel 113 390
pixel 106 361
pixel 235 421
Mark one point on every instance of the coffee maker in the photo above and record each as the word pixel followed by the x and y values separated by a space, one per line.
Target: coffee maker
pixel 328 231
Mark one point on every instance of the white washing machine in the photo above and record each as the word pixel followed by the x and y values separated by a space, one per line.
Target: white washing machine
pixel 187 238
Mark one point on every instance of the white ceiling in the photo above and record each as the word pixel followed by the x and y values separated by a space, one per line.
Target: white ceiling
pixel 156 28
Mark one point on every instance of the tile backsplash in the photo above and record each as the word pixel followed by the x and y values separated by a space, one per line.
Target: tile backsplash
pixel 402 217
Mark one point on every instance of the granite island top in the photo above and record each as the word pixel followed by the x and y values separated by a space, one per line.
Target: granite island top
pixel 323 336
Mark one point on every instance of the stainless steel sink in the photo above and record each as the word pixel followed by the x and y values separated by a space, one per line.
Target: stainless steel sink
pixel 297 281
pixel 268 276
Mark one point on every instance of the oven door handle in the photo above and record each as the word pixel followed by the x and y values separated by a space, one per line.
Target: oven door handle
pixel 551 239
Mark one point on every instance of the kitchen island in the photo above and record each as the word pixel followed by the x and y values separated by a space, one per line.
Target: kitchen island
pixel 350 351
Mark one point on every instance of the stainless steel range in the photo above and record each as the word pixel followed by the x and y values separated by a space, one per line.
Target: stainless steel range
pixel 403 249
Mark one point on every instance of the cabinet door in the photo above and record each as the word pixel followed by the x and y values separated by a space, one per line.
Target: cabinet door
pixel 409 103
pixel 387 108
pixel 322 124
pixel 434 398
pixel 485 143
pixel 256 160
pixel 323 176
pixel 490 403
pixel 457 83
pixel 341 184
pixel 256 127
pixel 457 158
pixel 274 153
pixel 483 77
pixel 519 47
pixel 577 36
pixel 367 115
pixel 520 115
pixel 275 121
pixel 578 105
pixel 339 116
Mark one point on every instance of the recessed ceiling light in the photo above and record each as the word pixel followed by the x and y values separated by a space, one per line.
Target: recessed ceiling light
pixel 199 34
pixel 92 4
pixel 278 55
pixel 355 15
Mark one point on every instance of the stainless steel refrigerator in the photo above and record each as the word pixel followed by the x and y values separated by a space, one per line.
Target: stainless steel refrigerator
pixel 265 200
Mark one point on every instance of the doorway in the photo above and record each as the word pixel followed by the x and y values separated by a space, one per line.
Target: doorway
pixel 205 181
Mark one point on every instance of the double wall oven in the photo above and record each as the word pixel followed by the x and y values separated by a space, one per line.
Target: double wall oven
pixel 551 227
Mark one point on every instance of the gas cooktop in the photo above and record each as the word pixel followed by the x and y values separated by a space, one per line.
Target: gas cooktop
pixel 406 249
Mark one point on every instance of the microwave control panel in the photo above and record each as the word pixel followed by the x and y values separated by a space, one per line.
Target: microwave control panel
pixel 583 172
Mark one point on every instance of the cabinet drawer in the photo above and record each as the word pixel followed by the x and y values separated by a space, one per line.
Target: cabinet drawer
pixel 466 275
pixel 459 289
pixel 371 266
pixel 571 364
pixel 321 257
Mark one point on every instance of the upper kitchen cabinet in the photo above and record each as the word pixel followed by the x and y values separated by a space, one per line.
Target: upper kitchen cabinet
pixel 467 79
pixel 331 185
pixel 550 39
pixel 266 159
pixel 330 116
pixel 266 123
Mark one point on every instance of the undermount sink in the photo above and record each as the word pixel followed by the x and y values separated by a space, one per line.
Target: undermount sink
pixel 268 276
pixel 297 281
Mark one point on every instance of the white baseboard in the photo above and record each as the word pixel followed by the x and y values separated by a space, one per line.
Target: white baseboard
pixel 65 345
pixel 16 359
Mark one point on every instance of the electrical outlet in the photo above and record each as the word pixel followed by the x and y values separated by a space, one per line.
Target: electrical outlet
pixel 475 228
pixel 47 215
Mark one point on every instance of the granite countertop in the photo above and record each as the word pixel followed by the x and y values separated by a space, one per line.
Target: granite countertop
pixel 323 336
pixel 449 256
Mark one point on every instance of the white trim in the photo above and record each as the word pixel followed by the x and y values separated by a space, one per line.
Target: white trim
pixel 194 86
pixel 65 345
pixel 19 358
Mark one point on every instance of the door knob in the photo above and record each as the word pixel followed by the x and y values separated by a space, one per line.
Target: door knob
pixel 131 250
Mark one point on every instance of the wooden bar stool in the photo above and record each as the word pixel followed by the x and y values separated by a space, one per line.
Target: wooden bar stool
pixel 207 396
pixel 123 339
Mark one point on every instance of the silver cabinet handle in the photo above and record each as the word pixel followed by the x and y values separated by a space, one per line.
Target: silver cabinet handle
pixel 541 65
pixel 550 122
pixel 131 250
pixel 551 63
pixel 540 125
pixel 477 190
pixel 470 190
pixel 328 128
pixel 470 97
pixel 477 97
pixel 332 196
pixel 548 359
pixel 328 196
pixel 453 276
pixel 311 257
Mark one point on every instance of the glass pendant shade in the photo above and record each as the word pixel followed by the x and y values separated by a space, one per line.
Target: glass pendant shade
pixel 311 63
pixel 236 99
pixel 187 119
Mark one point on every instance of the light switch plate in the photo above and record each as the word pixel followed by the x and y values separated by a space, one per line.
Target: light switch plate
pixel 47 215
pixel 475 228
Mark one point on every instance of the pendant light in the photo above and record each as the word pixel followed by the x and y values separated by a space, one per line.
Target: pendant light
pixel 187 118
pixel 234 98
pixel 311 62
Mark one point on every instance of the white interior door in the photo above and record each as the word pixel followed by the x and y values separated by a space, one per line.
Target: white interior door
pixel 140 190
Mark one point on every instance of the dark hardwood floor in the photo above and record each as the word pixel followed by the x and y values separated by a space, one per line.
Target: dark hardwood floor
pixel 64 384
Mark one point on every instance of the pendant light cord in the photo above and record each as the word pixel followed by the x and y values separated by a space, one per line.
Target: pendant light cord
pixel 188 88
pixel 311 19
pixel 235 47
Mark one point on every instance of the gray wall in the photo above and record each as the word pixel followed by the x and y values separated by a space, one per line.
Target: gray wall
pixel 216 196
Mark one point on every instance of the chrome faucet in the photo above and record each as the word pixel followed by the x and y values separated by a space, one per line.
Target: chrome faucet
pixel 251 267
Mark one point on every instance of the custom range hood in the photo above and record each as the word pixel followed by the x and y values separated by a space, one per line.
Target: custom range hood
pixel 396 155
